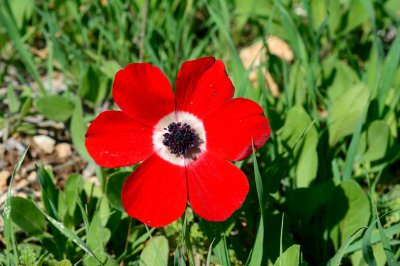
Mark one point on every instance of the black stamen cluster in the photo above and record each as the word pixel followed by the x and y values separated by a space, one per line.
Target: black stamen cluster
pixel 180 138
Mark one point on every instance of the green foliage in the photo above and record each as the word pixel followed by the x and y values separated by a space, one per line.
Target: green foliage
pixel 155 252
pixel 330 168
pixel 290 257
pixel 25 214
pixel 55 107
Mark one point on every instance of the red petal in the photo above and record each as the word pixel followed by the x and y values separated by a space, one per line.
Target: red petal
pixel 231 128
pixel 113 139
pixel 155 193
pixel 216 187
pixel 143 92
pixel 202 85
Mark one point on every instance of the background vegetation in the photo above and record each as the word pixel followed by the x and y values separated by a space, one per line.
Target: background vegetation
pixel 324 189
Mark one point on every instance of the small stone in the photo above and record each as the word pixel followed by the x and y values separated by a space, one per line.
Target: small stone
pixel 32 177
pixel 4 175
pixel 44 143
pixel 94 180
pixel 3 199
pixel 23 183
pixel 88 172
pixel 63 150
pixel 21 194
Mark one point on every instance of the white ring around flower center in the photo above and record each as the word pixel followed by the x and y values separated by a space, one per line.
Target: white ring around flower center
pixel 159 131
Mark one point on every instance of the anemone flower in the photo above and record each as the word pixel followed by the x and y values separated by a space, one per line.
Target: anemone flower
pixel 185 141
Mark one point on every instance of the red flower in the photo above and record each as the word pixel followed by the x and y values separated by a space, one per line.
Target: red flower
pixel 185 141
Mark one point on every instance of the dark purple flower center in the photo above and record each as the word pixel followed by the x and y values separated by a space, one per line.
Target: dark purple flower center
pixel 180 138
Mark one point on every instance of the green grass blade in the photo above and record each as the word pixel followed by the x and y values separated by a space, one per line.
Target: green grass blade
pixel 281 238
pixel 297 43
pixel 8 234
pixel 69 234
pixel 390 257
pixel 375 238
pixel 141 239
pixel 257 252
pixel 214 232
pixel 352 152
pixel 367 252
pixel 11 28
pixel 388 76
pixel 293 34
pixel 336 260
pixel 156 249
pixel 186 241
pixel 177 257
pixel 208 262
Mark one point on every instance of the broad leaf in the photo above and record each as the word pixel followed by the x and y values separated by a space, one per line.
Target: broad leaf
pixel 155 253
pixel 345 112
pixel 55 107
pixel 25 214
pixel 113 189
pixel 290 257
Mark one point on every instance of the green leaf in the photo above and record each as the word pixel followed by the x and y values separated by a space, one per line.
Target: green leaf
pixel 97 238
pixel 291 257
pixel 114 186
pixel 335 16
pixel 55 107
pixel 304 202
pixel 257 251
pixel 22 10
pixel 356 16
pixel 110 68
pixel 155 253
pixel 299 133
pixel 73 187
pixel 251 8
pixel 13 101
pixel 388 76
pixel 343 76
pixel 26 106
pixel 392 7
pixel 8 231
pixel 375 237
pixel 377 140
pixel 345 111
pixel 208 262
pixel 293 35
pixel 319 13
pixel 69 234
pixel 78 129
pixel 349 210
pixel 368 239
pixel 335 260
pixel 49 191
pixel 93 86
pixel 25 214
pixel 367 251
pixel 390 257
pixel 8 21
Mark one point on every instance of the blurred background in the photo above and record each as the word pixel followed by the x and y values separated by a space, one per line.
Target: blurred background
pixel 326 73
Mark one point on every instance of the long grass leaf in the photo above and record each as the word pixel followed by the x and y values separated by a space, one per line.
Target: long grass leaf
pixel 390 257
pixel 367 252
pixel 389 70
pixel 375 237
pixel 208 262
pixel 8 233
pixel 257 252
pixel 335 260
pixel 11 28
pixel 69 234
